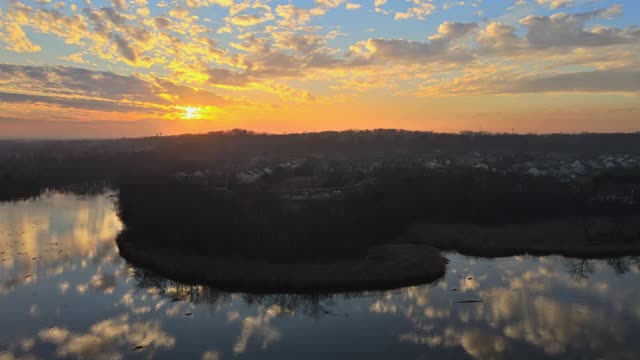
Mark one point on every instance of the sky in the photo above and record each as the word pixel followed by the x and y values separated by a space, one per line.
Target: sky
pixel 125 68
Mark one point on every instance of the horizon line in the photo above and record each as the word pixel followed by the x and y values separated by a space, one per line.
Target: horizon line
pixel 261 133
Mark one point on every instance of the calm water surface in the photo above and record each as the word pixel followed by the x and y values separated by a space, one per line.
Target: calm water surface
pixel 66 293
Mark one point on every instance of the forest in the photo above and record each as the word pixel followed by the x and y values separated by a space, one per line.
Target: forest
pixel 255 223
pixel 28 167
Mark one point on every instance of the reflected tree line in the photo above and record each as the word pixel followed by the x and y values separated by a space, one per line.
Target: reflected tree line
pixel 583 269
pixel 314 305
pixel 318 305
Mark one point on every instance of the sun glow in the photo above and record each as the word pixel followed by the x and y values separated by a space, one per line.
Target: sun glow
pixel 191 112
pixel 204 112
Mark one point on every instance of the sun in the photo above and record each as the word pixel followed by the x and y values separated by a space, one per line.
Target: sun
pixel 191 112
pixel 204 112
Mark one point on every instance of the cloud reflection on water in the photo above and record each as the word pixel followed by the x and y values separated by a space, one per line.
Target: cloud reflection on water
pixel 85 302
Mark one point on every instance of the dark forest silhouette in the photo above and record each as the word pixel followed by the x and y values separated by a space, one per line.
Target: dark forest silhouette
pixel 29 167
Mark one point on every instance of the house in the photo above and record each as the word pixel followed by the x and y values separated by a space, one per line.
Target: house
pixel 250 176
pixel 180 176
pixel 197 177
pixel 482 167
pixel 434 165
pixel 535 172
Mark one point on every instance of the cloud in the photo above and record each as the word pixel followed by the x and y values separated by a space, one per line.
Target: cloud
pixel 499 38
pixel 226 77
pixel 555 4
pixel 412 51
pixel 454 30
pixel 17 40
pixel 71 103
pixel 440 48
pixel 352 6
pixel 587 81
pixel 556 32
pixel 419 10
pixel 204 3
pixel 97 90
pixel 303 43
pixel 508 82
pixel 125 49
pixel 162 22
pixel 567 30
pixel 119 4
pixel 329 3
pixel 249 20
pixel 293 16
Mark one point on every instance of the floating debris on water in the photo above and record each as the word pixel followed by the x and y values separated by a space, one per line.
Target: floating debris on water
pixel 469 301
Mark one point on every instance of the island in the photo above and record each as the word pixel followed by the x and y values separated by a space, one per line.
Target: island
pixel 289 227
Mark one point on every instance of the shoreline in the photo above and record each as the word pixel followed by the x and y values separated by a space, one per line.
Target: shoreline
pixel 415 260
pixel 386 267
pixel 565 237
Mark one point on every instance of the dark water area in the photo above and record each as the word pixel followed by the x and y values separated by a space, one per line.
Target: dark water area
pixel 66 293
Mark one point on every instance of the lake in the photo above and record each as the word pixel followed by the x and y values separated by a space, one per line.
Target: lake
pixel 66 293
